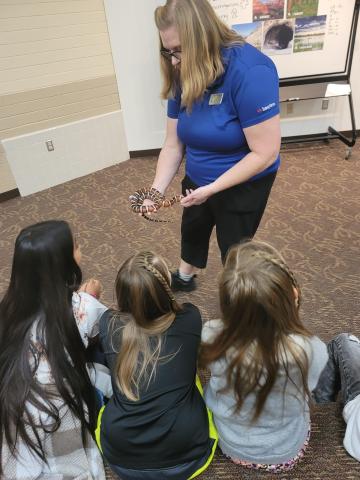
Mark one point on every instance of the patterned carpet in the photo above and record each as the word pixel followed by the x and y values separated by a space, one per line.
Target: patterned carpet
pixel 313 217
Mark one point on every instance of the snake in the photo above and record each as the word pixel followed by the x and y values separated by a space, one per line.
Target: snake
pixel 159 200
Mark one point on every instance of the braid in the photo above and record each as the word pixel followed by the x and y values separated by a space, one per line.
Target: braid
pixel 282 265
pixel 144 262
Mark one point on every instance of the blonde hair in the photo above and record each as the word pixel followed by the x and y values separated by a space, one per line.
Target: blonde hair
pixel 147 308
pixel 260 312
pixel 202 35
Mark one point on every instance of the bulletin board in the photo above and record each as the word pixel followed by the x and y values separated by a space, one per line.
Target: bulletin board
pixel 307 39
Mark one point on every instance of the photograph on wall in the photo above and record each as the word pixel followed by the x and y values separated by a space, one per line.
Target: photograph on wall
pixel 302 8
pixel 309 33
pixel 251 32
pixel 278 37
pixel 268 9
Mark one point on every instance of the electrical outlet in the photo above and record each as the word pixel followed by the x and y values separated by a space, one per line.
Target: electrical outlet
pixel 289 108
pixel 325 104
pixel 50 146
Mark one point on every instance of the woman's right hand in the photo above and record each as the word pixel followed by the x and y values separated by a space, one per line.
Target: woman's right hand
pixel 151 207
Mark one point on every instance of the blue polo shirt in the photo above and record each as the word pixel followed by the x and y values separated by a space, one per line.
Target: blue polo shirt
pixel 213 132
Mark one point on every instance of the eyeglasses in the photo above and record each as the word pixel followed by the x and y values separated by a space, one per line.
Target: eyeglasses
pixel 168 54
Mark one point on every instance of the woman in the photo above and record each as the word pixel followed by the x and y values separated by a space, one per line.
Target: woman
pixel 156 424
pixel 223 110
pixel 47 402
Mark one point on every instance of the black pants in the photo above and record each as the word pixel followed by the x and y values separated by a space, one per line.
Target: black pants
pixel 236 213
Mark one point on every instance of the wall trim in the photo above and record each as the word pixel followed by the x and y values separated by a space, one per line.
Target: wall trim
pixel 137 154
pixel 313 137
pixel 155 151
pixel 4 197
pixel 144 153
pixel 349 133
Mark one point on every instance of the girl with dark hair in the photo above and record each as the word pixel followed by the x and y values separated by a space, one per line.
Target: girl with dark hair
pixel 47 402
pixel 156 424
pixel 264 362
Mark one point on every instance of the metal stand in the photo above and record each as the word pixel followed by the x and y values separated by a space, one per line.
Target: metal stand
pixel 335 134
pixel 331 133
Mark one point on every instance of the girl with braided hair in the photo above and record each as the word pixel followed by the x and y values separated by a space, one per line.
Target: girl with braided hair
pixel 264 362
pixel 156 425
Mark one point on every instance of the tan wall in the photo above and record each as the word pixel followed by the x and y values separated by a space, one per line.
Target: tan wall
pixel 55 66
pixel 34 110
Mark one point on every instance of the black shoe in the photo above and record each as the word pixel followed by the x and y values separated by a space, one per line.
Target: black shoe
pixel 178 284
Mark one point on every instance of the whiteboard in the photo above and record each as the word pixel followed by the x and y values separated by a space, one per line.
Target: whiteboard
pixel 304 38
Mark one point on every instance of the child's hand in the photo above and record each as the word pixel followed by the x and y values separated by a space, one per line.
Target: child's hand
pixel 92 287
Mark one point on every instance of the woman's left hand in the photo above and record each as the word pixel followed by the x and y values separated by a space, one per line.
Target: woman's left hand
pixel 196 197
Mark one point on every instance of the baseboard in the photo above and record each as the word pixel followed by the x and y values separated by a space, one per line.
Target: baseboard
pixel 145 153
pixel 155 152
pixel 313 137
pixel 9 195
pixel 348 133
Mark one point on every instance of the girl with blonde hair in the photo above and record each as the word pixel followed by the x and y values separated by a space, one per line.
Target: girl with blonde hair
pixel 223 112
pixel 264 362
pixel 156 424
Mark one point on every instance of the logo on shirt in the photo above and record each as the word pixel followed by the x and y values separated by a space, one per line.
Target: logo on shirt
pixel 216 98
pixel 267 107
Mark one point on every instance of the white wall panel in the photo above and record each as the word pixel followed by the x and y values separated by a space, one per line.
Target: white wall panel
pixel 79 149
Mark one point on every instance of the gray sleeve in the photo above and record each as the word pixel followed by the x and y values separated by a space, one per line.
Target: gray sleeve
pixel 318 360
pixel 210 330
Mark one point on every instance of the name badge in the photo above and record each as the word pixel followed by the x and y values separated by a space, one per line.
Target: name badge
pixel 216 98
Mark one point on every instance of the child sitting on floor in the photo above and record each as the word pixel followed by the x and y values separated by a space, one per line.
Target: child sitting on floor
pixel 342 373
pixel 48 405
pixel 264 362
pixel 156 425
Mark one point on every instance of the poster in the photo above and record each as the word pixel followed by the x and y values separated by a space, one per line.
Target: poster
pixel 278 37
pixel 302 8
pixel 268 9
pixel 299 35
pixel 309 33
pixel 251 32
